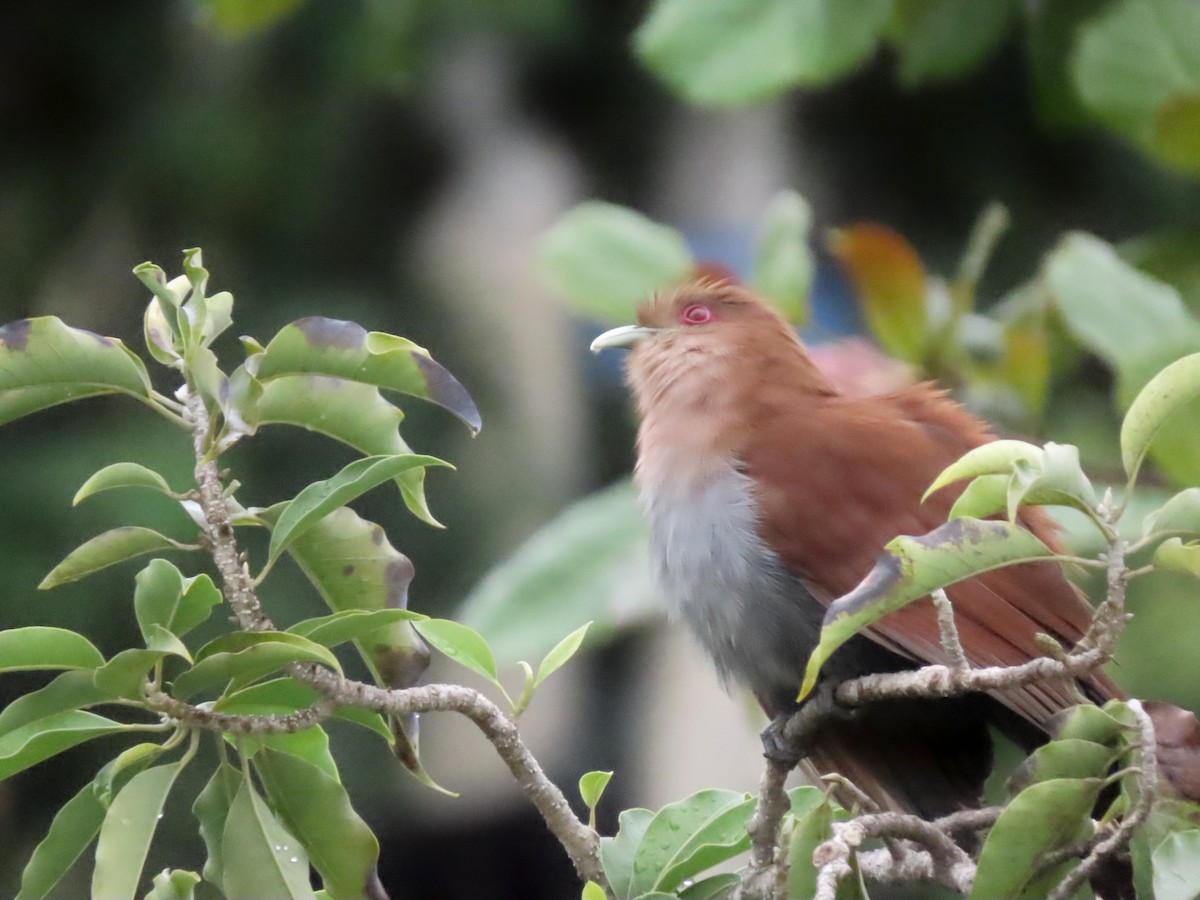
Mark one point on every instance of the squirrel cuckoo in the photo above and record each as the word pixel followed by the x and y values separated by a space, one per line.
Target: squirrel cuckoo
pixel 770 494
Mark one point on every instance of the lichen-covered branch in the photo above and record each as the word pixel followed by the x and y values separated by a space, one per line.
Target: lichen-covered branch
pixel 581 843
pixel 938 858
pixel 236 583
pixel 766 873
pixel 230 723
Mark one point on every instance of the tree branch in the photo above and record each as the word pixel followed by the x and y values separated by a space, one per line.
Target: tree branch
pixel 226 723
pixel 767 870
pixel 581 843
pixel 941 858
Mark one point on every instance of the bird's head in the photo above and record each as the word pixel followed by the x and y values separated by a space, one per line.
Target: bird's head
pixel 701 334
pixel 699 312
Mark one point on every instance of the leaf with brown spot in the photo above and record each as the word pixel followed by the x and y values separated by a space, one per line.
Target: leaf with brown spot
pixel 911 567
pixel 348 411
pixel 44 362
pixel 353 567
pixel 340 349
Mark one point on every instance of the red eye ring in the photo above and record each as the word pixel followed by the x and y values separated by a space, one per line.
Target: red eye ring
pixel 696 314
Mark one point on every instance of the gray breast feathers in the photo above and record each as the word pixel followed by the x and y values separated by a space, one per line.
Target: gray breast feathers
pixel 756 620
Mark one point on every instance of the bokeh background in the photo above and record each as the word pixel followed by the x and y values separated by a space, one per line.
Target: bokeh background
pixel 397 163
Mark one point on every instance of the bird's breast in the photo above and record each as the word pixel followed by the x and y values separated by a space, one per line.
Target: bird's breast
pixel 756 620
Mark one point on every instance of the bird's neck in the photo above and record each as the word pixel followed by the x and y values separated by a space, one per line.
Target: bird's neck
pixel 699 404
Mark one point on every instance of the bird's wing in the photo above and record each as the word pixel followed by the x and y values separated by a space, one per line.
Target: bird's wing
pixel 840 477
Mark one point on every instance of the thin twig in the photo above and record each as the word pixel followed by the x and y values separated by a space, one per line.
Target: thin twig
pixel 948 631
pixel 938 859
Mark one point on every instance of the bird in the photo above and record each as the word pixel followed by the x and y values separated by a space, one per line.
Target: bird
pixel 769 494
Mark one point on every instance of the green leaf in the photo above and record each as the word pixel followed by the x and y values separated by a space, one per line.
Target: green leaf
pixel 719 837
pixel 259 857
pixel 171 293
pixel 1089 723
pixel 605 259
pixel 72 689
pixel 105 550
pixel 42 647
pixel 462 644
pixel 1176 864
pixel 993 458
pixel 982 498
pixel 75 826
pixel 1180 515
pixel 348 411
pixel 350 624
pixel 1175 132
pixel 1043 817
pixel 124 675
pixel 319 499
pixel 591 787
pixel 912 567
pixel 1052 476
pixel 1167 393
pixel 689 836
pixel 1135 324
pixel 561 654
pixel 1173 555
pixel 783 260
pixel 159 335
pixel 736 51
pixel 119 771
pixel 40 739
pixel 309 744
pixel 121 475
pixel 211 810
pixel 320 346
pixel 938 40
pixel 234 19
pixel 164 598
pixel 352 565
pixel 593 891
pixel 315 808
pixel 814 825
pixel 176 884
pixel 617 852
pixel 591 562
pixel 244 657
pixel 1137 68
pixel 43 363
pixel 1064 758
pixel 127 831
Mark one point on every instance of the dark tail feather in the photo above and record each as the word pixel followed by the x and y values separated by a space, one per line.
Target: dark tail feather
pixel 928 757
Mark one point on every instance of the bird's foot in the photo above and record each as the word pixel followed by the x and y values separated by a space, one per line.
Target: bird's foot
pixel 786 740
pixel 777 747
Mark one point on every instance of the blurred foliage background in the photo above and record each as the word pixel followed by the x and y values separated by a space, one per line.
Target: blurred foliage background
pixel 398 163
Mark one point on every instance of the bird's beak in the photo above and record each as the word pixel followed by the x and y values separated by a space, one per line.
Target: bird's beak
pixel 624 337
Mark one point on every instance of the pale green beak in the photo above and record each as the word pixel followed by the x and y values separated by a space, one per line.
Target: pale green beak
pixel 623 338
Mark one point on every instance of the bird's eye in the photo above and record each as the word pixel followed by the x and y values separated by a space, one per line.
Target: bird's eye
pixel 696 314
